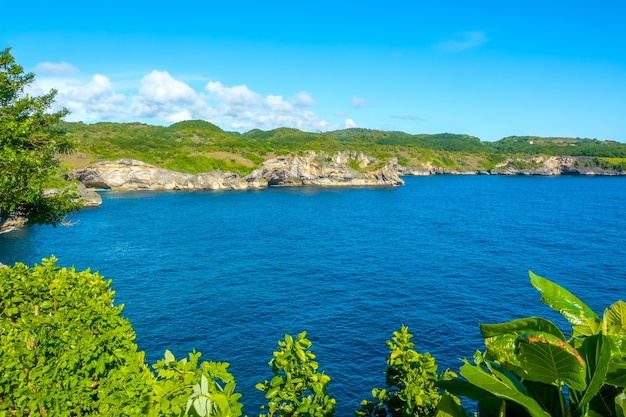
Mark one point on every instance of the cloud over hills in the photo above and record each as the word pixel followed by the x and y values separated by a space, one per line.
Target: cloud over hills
pixel 158 97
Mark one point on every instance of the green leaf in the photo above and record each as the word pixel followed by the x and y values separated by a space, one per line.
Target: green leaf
pixel 505 386
pixel 617 366
pixel 169 357
pixel 520 326
pixel 546 358
pixel 559 299
pixel 464 389
pixel 449 406
pixel 615 318
pixel 500 338
pixel 596 351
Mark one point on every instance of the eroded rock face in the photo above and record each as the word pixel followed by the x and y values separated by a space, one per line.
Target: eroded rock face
pixel 553 165
pixel 310 169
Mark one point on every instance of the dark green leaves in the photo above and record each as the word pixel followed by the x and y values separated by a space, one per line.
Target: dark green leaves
pixel 30 145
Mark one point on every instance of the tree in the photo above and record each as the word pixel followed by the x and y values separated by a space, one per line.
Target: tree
pixel 30 143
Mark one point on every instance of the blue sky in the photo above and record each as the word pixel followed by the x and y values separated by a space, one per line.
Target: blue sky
pixel 485 68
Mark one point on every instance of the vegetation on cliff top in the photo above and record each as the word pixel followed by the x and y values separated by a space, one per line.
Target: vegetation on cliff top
pixel 198 146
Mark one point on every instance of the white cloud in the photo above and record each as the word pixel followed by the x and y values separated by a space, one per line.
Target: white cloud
pixel 161 87
pixel 62 68
pixel 158 97
pixel 239 95
pixel 349 123
pixel 167 99
pixel 464 41
pixel 277 104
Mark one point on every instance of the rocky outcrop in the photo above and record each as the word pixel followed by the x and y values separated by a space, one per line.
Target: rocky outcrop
pixel 90 198
pixel 130 174
pixel 553 165
pixel 328 171
pixel 311 169
pixel 11 222
pixel 537 165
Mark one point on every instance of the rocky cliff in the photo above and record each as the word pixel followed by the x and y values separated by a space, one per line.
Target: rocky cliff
pixel 537 165
pixel 554 165
pixel 310 169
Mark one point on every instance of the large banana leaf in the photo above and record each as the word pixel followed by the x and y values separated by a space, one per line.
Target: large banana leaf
pixel 548 359
pixel 502 384
pixel 596 351
pixel 569 306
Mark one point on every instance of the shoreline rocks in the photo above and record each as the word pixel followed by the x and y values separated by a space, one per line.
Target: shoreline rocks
pixel 312 169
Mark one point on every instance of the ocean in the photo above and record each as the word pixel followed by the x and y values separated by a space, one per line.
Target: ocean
pixel 229 273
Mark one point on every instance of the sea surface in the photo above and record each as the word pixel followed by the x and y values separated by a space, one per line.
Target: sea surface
pixel 229 273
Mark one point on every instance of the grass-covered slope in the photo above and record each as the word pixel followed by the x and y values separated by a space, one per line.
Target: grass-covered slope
pixel 199 146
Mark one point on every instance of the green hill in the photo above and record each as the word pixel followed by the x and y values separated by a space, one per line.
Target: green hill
pixel 200 146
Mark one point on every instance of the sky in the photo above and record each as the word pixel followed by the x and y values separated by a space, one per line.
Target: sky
pixel 489 69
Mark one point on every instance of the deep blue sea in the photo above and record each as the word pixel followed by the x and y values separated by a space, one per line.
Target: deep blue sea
pixel 228 273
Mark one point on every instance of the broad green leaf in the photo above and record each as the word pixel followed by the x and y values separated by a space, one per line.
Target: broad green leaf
pixel 617 366
pixel 546 358
pixel 559 299
pixel 464 388
pixel 615 318
pixel 520 326
pixel 505 387
pixel 501 349
pixel 500 338
pixel 596 351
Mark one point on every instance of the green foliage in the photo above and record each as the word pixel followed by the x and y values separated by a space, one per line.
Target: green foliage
pixel 64 348
pixel 410 379
pixel 533 145
pixel 296 388
pixel 30 141
pixel 529 368
pixel 184 388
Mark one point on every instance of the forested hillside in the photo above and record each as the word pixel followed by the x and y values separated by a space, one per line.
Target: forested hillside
pixel 199 146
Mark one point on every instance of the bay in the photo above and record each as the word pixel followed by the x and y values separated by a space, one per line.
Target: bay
pixel 229 273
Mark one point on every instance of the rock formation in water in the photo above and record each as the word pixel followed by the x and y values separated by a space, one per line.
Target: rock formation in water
pixel 310 169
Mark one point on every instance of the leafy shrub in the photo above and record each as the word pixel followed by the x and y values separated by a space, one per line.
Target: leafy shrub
pixel 183 387
pixel 529 367
pixel 296 389
pixel 410 379
pixel 64 348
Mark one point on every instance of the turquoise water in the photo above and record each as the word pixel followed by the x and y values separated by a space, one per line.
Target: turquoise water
pixel 228 273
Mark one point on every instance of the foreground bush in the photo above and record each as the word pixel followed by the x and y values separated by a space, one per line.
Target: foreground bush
pixel 65 350
pixel 64 347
